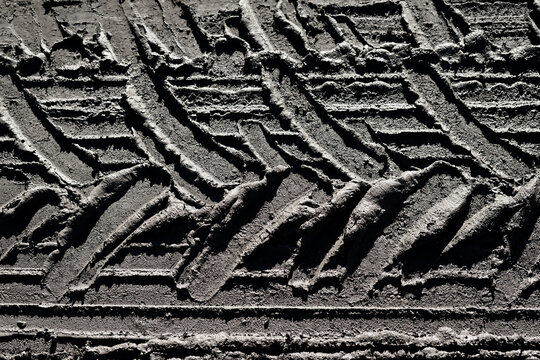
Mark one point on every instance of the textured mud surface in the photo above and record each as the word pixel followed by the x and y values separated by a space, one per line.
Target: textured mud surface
pixel 269 179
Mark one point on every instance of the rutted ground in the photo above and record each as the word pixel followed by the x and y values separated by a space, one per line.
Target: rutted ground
pixel 381 154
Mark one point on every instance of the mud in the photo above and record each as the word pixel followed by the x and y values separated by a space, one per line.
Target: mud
pixel 269 179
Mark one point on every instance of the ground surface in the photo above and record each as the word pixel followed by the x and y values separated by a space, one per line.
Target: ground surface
pixel 269 179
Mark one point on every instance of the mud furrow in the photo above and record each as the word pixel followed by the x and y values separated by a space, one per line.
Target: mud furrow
pixel 269 179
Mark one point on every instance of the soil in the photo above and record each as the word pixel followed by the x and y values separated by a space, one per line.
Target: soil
pixel 269 179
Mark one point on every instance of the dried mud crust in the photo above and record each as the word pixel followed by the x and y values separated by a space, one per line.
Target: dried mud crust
pixel 262 178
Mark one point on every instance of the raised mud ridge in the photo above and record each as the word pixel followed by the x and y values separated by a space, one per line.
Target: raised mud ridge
pixel 269 179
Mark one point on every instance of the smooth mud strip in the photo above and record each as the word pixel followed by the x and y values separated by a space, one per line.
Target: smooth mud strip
pixel 280 179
